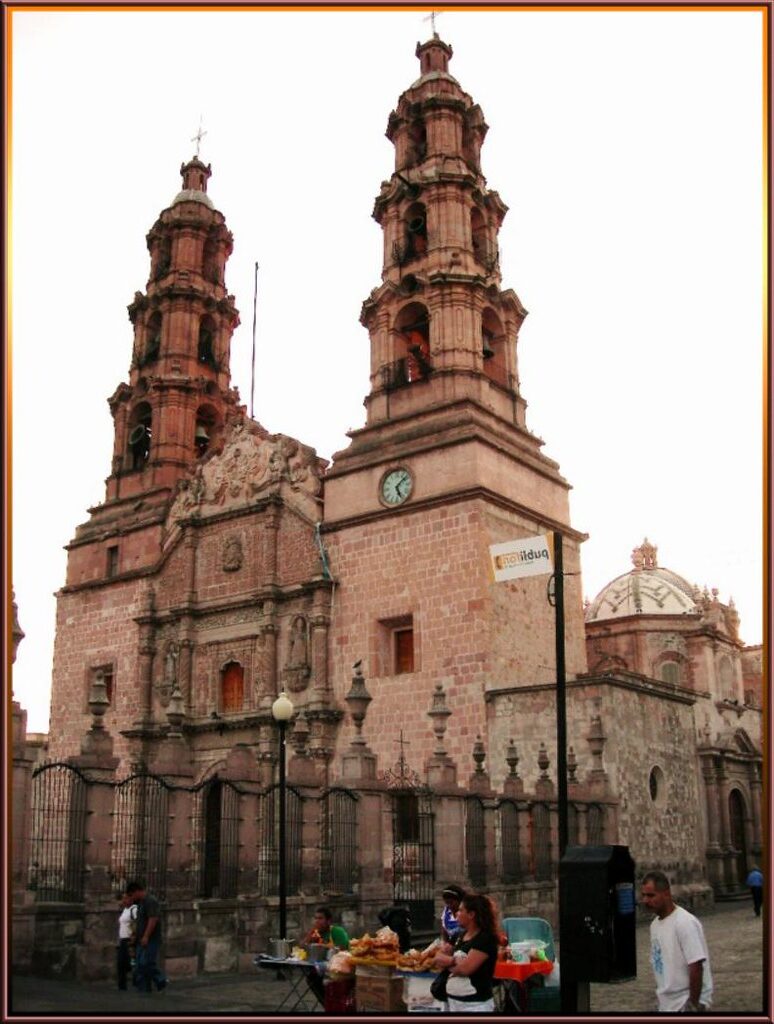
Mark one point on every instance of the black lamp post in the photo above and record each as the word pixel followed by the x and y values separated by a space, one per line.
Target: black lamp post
pixel 282 712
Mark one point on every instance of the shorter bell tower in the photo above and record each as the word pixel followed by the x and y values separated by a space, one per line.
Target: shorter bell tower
pixel 178 399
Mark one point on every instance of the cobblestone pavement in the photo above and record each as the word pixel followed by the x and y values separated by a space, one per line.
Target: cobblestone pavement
pixel 734 937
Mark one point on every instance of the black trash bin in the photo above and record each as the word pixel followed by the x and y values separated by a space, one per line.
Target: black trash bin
pixel 597 914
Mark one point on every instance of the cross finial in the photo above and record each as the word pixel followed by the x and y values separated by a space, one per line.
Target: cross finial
pixel 431 18
pixel 402 743
pixel 199 136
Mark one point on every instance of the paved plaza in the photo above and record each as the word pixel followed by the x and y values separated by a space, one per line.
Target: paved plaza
pixel 734 936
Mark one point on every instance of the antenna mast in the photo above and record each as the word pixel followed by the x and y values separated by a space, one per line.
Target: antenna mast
pixel 252 371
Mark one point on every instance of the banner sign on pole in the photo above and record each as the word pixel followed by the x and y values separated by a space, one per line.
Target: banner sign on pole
pixel 515 559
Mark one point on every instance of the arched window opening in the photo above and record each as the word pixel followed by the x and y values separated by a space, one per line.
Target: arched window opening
pixel 493 347
pixel 163 257
pixel 210 264
pixel 415 223
pixel 140 434
pixel 206 347
pixel 412 326
pixel 417 148
pixel 232 684
pixel 479 234
pixel 207 429
pixel 152 339
pixel 670 672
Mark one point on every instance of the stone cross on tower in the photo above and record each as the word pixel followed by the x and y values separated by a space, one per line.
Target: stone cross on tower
pixel 431 18
pixel 199 136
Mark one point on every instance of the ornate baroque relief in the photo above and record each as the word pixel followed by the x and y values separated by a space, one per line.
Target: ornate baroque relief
pixel 251 465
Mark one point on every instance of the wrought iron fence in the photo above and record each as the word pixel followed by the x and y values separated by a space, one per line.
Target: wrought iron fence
pixel 215 821
pixel 595 825
pixel 509 853
pixel 413 853
pixel 475 841
pixel 540 820
pixel 58 833
pixel 140 823
pixel 338 841
pixel 268 852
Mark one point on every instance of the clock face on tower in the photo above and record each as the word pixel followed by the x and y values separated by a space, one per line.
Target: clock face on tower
pixel 396 486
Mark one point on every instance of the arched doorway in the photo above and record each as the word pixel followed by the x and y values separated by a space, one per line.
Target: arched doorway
pixel 736 822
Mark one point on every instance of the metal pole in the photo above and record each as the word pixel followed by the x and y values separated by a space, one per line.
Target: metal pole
pixel 252 370
pixel 282 885
pixel 561 695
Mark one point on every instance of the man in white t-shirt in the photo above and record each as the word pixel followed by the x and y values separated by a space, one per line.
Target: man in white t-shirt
pixel 678 951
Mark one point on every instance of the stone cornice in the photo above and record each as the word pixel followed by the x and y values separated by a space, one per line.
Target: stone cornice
pixel 453 497
pixel 434 429
pixel 622 680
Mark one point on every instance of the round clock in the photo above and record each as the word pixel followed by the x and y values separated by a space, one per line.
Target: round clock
pixel 396 486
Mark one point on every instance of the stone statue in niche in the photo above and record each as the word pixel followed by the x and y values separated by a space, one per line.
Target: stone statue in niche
pixel 296 674
pixel 167 683
pixel 232 554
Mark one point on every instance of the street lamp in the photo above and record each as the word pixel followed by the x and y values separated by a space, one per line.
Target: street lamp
pixel 282 712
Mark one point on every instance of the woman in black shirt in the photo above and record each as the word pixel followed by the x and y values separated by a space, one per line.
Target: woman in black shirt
pixel 471 964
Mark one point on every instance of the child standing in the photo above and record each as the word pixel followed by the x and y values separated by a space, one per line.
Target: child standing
pixel 127 924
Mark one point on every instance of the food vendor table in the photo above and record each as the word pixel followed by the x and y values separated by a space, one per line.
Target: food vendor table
pixel 509 971
pixel 301 976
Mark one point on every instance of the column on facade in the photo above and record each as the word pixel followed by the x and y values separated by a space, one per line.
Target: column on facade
pixel 271 539
pixel 190 544
pixel 320 622
pixel 755 803
pixel 147 650
pixel 23 764
pixel 725 825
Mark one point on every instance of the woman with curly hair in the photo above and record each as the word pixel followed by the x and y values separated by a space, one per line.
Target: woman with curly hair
pixel 471 964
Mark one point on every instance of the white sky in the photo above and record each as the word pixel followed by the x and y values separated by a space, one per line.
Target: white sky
pixel 627 144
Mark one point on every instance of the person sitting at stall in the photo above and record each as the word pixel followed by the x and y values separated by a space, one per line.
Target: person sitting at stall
pixel 324 930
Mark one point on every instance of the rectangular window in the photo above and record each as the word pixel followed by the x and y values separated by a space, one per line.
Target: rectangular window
pixel 112 561
pixel 396 651
pixel 404 650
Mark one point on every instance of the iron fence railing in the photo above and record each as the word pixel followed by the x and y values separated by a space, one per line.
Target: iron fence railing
pixel 338 841
pixel 56 864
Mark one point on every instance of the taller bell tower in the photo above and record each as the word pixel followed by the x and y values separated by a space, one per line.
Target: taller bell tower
pixel 178 398
pixel 444 465
pixel 441 327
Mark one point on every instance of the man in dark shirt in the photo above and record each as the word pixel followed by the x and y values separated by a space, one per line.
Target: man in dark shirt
pixel 148 941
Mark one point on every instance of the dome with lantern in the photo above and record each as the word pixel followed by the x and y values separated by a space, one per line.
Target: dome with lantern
pixel 648 589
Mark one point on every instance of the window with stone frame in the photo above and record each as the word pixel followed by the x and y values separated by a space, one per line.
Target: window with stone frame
pixel 396 646
pixel 232 687
pixel 670 671
pixel 111 567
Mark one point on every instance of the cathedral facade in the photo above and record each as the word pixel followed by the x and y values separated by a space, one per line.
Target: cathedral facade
pixel 227 564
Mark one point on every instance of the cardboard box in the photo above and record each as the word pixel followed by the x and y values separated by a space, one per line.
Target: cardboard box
pixel 378 991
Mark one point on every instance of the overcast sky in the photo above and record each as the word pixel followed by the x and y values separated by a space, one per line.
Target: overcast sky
pixel 627 145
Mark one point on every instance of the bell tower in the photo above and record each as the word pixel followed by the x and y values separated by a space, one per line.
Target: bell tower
pixel 440 326
pixel 444 465
pixel 178 399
